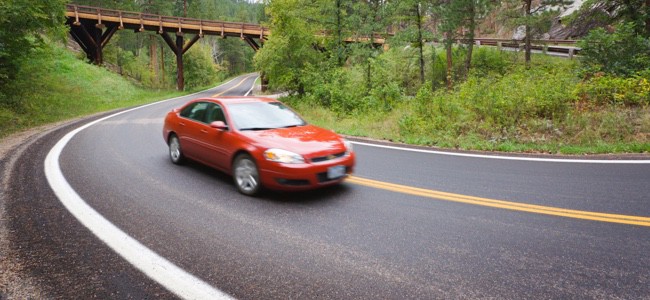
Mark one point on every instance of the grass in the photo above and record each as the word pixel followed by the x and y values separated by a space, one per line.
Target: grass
pixel 384 127
pixel 54 85
pixel 57 86
pixel 531 111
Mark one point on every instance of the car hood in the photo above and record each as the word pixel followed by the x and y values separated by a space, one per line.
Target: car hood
pixel 307 140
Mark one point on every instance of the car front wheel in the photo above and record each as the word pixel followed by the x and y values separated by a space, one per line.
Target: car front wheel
pixel 246 175
pixel 175 151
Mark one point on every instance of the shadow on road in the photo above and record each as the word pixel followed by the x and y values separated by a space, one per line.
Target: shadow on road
pixel 320 196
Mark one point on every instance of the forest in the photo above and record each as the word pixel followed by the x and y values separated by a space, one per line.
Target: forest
pixel 429 84
pixel 434 87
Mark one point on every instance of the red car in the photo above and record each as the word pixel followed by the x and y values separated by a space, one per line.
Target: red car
pixel 259 141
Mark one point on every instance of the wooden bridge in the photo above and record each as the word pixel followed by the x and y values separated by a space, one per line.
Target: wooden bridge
pixel 93 27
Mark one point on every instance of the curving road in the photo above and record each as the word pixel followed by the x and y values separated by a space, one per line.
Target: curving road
pixel 360 240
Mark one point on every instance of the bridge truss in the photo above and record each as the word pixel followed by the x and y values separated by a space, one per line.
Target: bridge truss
pixel 93 27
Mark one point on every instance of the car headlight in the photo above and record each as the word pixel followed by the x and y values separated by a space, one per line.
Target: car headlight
pixel 348 147
pixel 283 156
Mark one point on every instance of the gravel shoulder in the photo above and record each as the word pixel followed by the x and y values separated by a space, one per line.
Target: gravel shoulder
pixel 15 283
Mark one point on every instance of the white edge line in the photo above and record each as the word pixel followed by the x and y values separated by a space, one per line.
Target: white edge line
pixel 156 267
pixel 537 159
pixel 252 87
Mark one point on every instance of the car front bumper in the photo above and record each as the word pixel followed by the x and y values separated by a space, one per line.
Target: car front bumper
pixel 305 176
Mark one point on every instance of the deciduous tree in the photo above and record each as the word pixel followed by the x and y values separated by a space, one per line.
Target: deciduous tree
pixel 291 50
pixel 22 24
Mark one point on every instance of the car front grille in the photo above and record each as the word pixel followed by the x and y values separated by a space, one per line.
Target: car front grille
pixel 327 157
pixel 292 182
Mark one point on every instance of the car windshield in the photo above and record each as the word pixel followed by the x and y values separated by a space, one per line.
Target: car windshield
pixel 263 115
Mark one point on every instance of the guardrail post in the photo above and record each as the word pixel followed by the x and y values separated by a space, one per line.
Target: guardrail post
pixel 571 53
pixel 499 45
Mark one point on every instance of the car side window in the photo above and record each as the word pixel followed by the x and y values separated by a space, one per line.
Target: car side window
pixel 215 113
pixel 195 111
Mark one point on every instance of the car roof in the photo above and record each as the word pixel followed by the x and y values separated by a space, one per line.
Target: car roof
pixel 236 99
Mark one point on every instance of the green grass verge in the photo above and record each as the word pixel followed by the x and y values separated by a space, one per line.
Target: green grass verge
pixel 55 85
pixel 541 110
pixel 386 127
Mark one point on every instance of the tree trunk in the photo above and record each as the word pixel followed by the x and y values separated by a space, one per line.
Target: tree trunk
pixel 420 43
pixel 153 57
pixel 339 39
pixel 647 18
pixel 448 45
pixel 433 67
pixel 368 77
pixel 472 28
pixel 527 7
pixel 162 64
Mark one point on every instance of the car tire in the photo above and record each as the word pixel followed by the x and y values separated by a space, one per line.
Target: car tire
pixel 246 175
pixel 175 150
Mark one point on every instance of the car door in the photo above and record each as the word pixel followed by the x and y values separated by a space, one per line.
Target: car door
pixel 216 140
pixel 191 125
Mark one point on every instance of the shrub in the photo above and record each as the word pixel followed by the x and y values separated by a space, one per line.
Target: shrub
pixel 622 52
pixel 607 89
pixel 200 69
pixel 486 60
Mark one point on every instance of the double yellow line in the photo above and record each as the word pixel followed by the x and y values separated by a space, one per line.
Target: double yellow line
pixel 229 89
pixel 538 209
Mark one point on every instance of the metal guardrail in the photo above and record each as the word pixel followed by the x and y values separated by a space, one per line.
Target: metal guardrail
pixel 548 46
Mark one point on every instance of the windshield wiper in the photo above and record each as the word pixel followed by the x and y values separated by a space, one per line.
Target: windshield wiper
pixel 255 128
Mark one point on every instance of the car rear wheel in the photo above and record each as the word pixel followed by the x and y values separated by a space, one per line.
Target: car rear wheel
pixel 246 175
pixel 175 151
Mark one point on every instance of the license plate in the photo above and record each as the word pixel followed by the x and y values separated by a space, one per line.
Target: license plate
pixel 335 172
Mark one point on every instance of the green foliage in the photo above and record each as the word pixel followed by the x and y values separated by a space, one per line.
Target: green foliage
pixel 634 12
pixel 612 90
pixel 622 52
pixel 491 106
pixel 289 52
pixel 22 23
pixel 511 111
pixel 54 85
pixel 486 61
pixel 140 55
pixel 200 69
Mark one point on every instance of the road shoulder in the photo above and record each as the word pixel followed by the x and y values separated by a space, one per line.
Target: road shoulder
pixel 15 282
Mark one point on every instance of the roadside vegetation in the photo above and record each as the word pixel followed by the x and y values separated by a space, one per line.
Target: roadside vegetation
pixel 54 85
pixel 463 97
pixel 424 89
pixel 43 81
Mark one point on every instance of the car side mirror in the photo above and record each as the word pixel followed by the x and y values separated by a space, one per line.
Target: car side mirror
pixel 220 125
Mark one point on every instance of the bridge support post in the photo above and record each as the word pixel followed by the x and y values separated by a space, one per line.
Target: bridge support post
pixel 92 38
pixel 180 79
pixel 179 48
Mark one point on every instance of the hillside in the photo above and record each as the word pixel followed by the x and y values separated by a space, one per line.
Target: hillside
pixel 55 85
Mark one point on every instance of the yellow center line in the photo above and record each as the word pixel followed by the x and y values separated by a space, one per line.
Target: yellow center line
pixel 531 208
pixel 240 83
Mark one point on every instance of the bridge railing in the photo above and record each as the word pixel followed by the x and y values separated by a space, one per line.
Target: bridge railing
pixel 181 21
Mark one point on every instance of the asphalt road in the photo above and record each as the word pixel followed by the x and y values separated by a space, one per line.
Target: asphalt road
pixel 348 241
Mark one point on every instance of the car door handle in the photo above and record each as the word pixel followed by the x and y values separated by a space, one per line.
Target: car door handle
pixel 204 131
pixel 181 123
